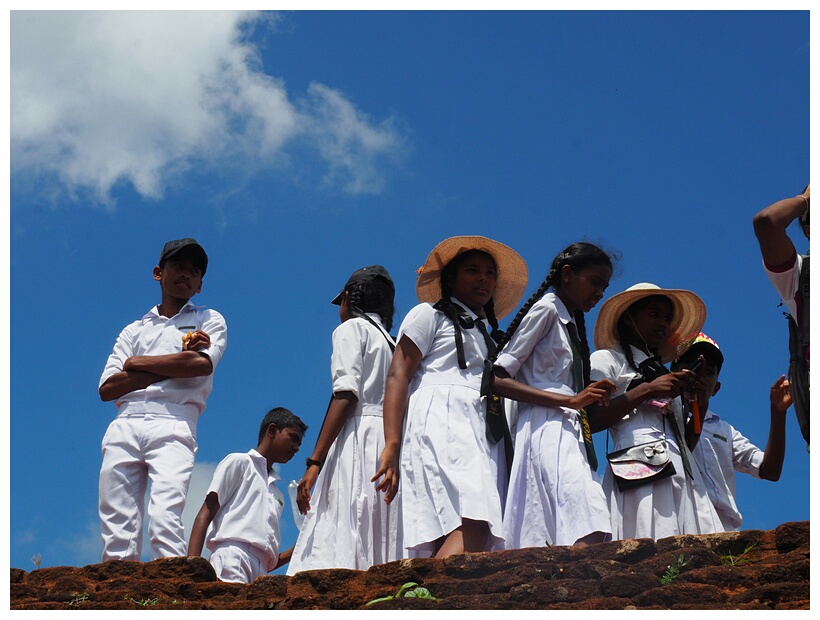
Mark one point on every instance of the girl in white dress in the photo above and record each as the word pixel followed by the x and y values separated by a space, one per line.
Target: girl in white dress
pixel 452 463
pixel 555 497
pixel 346 524
pixel 638 331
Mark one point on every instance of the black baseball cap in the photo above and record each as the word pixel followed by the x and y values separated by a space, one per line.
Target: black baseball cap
pixel 173 247
pixel 373 274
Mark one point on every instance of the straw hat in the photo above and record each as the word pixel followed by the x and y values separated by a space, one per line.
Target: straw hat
pixel 688 318
pixel 512 271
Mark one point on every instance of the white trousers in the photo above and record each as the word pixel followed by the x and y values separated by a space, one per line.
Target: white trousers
pixel 136 449
pixel 238 562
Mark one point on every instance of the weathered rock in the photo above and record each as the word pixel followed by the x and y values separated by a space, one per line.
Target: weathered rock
pixel 751 569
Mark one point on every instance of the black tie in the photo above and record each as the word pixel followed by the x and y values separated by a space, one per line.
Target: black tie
pixel 578 378
pixel 495 410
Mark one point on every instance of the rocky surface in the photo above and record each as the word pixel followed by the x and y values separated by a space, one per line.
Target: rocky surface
pixel 751 569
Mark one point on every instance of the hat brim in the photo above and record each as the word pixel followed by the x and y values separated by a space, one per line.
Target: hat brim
pixel 689 315
pixel 512 271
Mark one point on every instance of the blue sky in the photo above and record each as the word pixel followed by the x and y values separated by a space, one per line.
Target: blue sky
pixel 297 147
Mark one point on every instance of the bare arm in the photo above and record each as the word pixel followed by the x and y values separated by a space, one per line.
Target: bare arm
pixel 406 360
pixel 770 228
pixel 781 400
pixel 504 385
pixel 341 406
pixel 126 381
pixel 665 386
pixel 181 365
pixel 284 557
pixel 203 519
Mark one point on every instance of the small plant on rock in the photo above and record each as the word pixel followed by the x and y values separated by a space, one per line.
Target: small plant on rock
pixel 731 560
pixel 409 590
pixel 37 559
pixel 78 599
pixel 673 570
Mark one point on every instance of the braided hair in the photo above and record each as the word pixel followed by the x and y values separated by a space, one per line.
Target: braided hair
pixel 577 256
pixel 372 297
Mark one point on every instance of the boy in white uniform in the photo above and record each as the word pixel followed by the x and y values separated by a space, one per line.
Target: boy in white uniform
pixel 159 375
pixel 722 450
pixel 245 505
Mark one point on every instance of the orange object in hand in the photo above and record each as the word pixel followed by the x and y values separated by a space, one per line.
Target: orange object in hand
pixel 696 415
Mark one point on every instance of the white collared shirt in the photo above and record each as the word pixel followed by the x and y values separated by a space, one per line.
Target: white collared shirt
pixel 155 334
pixel 539 353
pixel 720 452
pixel 360 362
pixel 250 504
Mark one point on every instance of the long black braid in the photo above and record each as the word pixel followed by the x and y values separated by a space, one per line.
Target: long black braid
pixel 577 256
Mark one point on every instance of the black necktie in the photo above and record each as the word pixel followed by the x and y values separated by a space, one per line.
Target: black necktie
pixel 495 410
pixel 578 378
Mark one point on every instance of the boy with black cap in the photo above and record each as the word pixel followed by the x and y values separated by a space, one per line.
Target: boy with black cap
pixel 159 375
pixel 722 450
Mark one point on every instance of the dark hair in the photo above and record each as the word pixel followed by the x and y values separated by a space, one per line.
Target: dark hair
pixel 375 297
pixel 448 275
pixel 282 418
pixel 578 256
pixel 624 331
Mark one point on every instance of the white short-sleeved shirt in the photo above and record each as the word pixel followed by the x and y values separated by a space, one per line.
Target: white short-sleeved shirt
pixel 786 280
pixel 720 453
pixel 155 334
pixel 250 504
pixel 433 333
pixel 354 342
pixel 538 354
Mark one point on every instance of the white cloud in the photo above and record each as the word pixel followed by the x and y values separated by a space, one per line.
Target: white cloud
pixel 104 97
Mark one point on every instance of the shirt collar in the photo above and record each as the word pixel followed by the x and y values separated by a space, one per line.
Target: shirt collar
pixel 262 462
pixel 563 313
pixel 469 312
pixel 154 312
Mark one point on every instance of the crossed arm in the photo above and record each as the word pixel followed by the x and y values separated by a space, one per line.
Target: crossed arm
pixel 140 371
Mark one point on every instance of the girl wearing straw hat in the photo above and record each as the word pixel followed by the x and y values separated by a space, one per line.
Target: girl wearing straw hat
pixel 452 460
pixel 652 484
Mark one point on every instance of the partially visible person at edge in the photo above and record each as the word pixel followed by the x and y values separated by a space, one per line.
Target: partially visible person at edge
pixel 784 266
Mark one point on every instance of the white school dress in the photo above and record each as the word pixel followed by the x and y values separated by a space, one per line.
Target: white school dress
pixel 671 506
pixel 554 497
pixel 349 525
pixel 449 470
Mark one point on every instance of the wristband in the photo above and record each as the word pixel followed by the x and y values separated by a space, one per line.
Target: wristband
pixel 310 461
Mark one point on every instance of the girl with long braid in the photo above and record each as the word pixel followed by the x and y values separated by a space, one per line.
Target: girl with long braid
pixel 346 526
pixel 554 497
pixel 636 333
pixel 452 462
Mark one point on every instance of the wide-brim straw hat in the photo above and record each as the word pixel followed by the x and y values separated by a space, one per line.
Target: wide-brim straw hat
pixel 512 271
pixel 689 315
